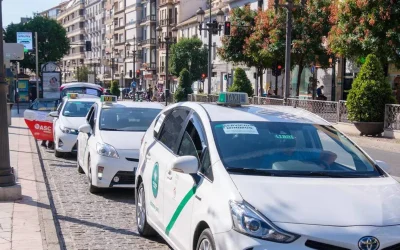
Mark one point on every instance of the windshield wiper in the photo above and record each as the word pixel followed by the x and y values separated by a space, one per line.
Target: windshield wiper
pixel 109 129
pixel 252 171
pixel 327 174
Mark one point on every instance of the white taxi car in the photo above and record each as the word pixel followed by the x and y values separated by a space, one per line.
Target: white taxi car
pixel 250 177
pixel 109 141
pixel 70 115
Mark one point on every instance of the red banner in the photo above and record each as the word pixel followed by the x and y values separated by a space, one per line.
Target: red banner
pixel 41 130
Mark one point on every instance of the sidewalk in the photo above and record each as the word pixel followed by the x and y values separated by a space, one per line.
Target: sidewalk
pixel 26 223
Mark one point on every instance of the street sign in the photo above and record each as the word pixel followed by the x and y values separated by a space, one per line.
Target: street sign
pixel 25 38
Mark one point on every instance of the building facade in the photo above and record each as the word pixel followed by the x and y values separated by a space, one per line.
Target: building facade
pixel 72 18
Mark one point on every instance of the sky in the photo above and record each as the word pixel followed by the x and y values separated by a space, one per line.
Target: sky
pixel 13 10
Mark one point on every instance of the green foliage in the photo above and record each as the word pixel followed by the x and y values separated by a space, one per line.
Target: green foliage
pixel 360 28
pixel 115 88
pixel 185 51
pixel 83 74
pixel 184 87
pixel 52 39
pixel 370 93
pixel 241 83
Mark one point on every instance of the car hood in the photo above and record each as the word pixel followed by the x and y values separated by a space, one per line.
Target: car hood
pixel 323 201
pixel 122 139
pixel 72 122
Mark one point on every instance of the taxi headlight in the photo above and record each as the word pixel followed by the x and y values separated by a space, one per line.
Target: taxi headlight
pixel 66 130
pixel 106 150
pixel 247 220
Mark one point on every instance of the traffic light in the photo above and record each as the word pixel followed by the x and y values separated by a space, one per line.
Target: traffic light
pixel 279 70
pixel 138 73
pixel 227 28
pixel 215 27
pixel 130 73
pixel 88 45
pixel 203 77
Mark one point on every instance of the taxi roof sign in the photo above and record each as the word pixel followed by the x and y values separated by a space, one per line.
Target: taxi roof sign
pixel 72 95
pixel 233 98
pixel 108 98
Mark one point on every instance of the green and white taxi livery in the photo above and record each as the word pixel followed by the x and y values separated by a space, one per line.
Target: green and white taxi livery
pixel 237 176
pixel 109 141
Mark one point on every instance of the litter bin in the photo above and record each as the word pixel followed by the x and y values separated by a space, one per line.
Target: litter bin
pixel 10 104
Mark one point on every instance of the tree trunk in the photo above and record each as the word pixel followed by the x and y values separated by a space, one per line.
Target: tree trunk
pixel 301 67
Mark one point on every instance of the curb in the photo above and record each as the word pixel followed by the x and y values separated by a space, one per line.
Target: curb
pixel 46 209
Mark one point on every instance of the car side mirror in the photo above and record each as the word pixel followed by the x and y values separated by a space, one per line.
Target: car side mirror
pixel 186 165
pixel 85 128
pixel 383 165
pixel 54 114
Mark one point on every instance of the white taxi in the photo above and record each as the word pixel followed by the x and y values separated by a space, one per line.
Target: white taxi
pixel 70 115
pixel 247 177
pixel 109 141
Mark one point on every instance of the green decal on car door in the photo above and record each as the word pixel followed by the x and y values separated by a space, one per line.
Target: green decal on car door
pixel 154 180
pixel 179 209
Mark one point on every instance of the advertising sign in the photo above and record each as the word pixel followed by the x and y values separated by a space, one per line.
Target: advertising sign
pixel 40 124
pixel 51 85
pixel 25 38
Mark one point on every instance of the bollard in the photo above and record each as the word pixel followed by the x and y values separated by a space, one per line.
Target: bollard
pixel 9 113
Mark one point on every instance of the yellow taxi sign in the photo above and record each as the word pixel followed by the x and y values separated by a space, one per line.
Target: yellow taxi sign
pixel 233 98
pixel 72 95
pixel 108 98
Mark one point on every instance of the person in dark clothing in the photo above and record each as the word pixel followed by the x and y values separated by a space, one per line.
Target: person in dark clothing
pixel 320 94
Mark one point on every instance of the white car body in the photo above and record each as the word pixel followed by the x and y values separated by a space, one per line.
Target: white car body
pixel 126 144
pixel 338 212
pixel 66 142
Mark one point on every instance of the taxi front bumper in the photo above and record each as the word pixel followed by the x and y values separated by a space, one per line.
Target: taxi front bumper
pixel 123 167
pixel 313 237
pixel 65 142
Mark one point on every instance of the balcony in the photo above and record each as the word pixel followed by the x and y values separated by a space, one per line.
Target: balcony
pixel 165 2
pixel 119 43
pixel 148 18
pixel 166 22
pixel 149 66
pixel 151 41
pixel 119 27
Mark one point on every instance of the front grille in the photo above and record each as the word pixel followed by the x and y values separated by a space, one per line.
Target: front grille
pixel 132 159
pixel 394 247
pixel 125 177
pixel 322 246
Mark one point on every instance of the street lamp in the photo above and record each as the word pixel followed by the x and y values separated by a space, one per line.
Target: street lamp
pixel 289 6
pixel 168 41
pixel 213 28
pixel 136 48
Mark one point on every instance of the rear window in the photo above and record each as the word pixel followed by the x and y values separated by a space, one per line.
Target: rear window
pixel 77 109
pixel 81 90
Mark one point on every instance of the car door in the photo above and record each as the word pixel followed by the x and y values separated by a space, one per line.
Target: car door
pixel 158 161
pixel 93 136
pixel 180 188
pixel 82 140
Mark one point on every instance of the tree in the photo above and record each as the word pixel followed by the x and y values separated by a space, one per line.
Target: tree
pixel 311 26
pixel 185 51
pixel 184 87
pixel 241 83
pixel 52 40
pixel 370 93
pixel 115 88
pixel 83 74
pixel 366 27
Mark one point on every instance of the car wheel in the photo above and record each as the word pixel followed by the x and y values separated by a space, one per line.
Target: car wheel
pixel 206 241
pixel 78 166
pixel 57 154
pixel 92 189
pixel 143 227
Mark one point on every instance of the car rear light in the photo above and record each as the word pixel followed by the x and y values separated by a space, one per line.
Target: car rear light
pixel 100 172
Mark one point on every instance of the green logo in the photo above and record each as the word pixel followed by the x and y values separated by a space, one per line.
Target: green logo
pixel 154 180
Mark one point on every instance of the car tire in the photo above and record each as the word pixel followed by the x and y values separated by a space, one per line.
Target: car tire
pixel 143 226
pixel 206 241
pixel 78 166
pixel 92 189
pixel 58 154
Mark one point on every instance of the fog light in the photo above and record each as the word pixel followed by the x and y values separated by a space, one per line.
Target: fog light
pixel 60 143
pixel 116 179
pixel 100 172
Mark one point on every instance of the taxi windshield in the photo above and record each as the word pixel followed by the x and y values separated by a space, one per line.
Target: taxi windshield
pixel 290 149
pixel 127 119
pixel 77 109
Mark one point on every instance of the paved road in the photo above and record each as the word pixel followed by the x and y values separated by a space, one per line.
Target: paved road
pixel 87 221
pixel 391 158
